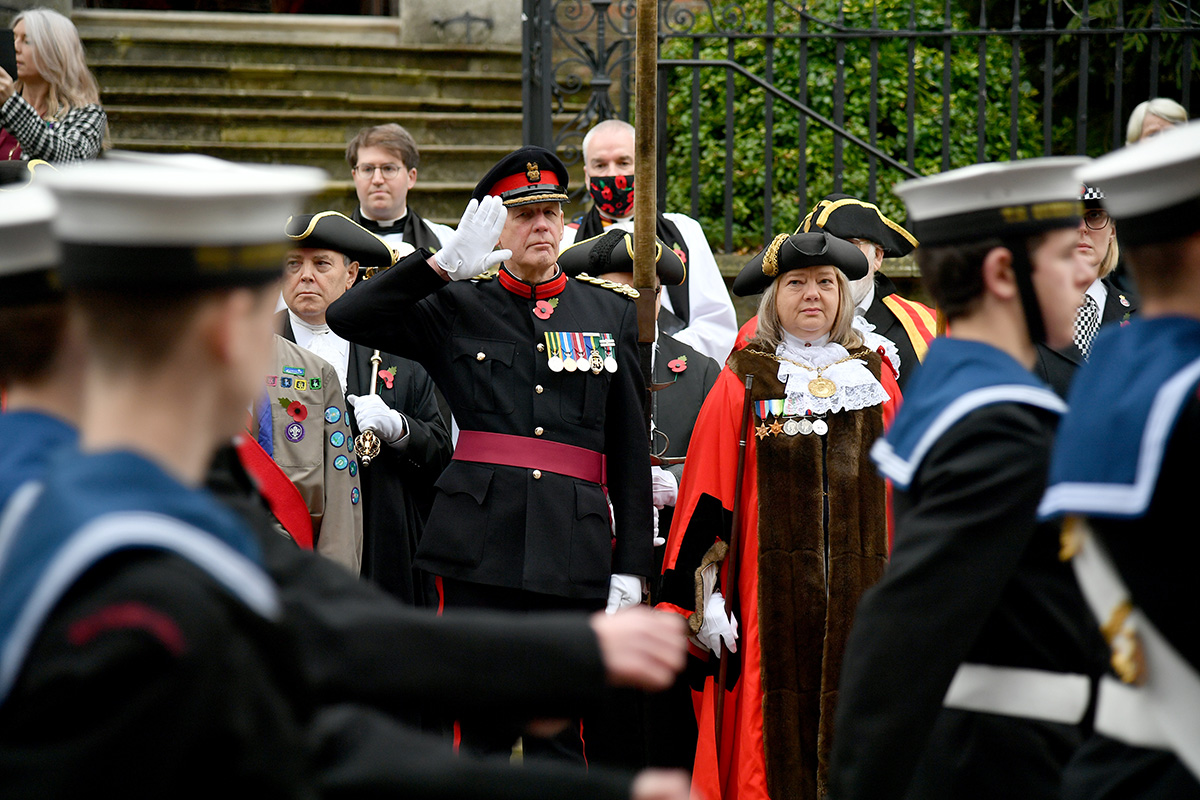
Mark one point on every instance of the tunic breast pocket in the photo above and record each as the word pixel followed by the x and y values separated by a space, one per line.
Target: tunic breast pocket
pixel 483 373
pixel 584 396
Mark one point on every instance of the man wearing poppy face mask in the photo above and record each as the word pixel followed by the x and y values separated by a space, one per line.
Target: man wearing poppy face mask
pixel 698 312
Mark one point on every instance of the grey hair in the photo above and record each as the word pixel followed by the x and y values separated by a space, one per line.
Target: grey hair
pixel 60 60
pixel 603 127
pixel 1161 107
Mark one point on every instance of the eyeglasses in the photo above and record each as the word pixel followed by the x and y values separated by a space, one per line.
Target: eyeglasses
pixel 368 170
pixel 1095 219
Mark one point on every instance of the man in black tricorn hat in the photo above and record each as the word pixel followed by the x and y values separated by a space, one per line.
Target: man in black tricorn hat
pixel 328 253
pixel 541 373
pixel 907 323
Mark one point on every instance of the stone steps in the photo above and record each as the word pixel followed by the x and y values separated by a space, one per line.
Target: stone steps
pixel 289 88
pixel 215 97
pixel 304 125
pixel 261 76
pixel 441 164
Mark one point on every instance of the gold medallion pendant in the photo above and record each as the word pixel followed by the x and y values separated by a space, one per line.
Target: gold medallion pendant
pixel 821 387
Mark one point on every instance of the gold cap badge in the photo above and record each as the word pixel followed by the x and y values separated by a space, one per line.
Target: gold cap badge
pixel 533 172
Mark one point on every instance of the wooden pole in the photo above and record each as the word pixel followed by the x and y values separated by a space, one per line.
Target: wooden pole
pixel 645 164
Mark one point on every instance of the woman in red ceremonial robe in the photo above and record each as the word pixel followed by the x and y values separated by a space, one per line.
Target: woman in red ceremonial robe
pixel 812 535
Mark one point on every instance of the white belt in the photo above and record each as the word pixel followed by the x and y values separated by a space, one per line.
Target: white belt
pixel 1018 692
pixel 1163 711
pixel 1123 713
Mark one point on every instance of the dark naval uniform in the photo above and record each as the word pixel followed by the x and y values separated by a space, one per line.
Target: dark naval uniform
pixel 976 621
pixel 397 486
pixel 522 505
pixel 131 605
pixel 1125 491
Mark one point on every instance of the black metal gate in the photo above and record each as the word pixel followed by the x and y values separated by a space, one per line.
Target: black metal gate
pixel 766 106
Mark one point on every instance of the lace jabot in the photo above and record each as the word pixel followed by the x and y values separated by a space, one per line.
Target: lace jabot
pixel 856 386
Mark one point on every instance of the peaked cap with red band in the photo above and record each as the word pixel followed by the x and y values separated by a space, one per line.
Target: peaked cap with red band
pixel 529 175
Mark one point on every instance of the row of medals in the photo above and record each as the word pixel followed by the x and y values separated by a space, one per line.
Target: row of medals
pixel 594 362
pixel 802 425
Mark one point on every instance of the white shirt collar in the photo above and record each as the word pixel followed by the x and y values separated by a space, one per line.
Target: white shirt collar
pixel 321 341
pixel 384 223
pixel 861 308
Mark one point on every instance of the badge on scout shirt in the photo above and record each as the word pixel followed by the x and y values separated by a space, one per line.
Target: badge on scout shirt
pixel 285 382
pixel 294 432
pixel 314 384
pixel 301 384
pixel 337 439
pixel 272 380
pixel 333 414
pixel 341 462
pixel 295 371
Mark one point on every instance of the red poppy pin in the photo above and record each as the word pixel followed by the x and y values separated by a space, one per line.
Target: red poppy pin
pixel 679 252
pixel 295 409
pixel 387 376
pixel 678 365
pixel 542 309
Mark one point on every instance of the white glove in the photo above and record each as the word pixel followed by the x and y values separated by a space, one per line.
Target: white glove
pixel 659 541
pixel 664 487
pixel 374 415
pixel 624 591
pixel 718 626
pixel 471 249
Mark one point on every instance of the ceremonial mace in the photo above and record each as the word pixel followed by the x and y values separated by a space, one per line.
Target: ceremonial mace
pixel 730 584
pixel 366 444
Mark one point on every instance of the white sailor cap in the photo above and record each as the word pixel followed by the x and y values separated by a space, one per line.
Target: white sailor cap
pixel 30 254
pixel 175 222
pixel 1152 188
pixel 1005 199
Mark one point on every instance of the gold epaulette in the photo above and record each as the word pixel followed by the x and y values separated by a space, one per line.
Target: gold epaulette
pixel 619 288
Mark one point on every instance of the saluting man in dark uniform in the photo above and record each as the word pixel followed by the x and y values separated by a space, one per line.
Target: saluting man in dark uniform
pixel 1123 478
pixel 970 664
pixel 541 374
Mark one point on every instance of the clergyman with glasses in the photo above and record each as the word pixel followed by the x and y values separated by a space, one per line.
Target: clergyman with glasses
pixel 383 162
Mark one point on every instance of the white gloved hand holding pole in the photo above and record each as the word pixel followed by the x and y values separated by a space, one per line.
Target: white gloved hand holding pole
pixel 471 249
pixel 718 626
pixel 372 414
pixel 664 487
pixel 624 591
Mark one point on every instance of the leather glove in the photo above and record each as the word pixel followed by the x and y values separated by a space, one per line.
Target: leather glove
pixel 659 541
pixel 718 626
pixel 624 591
pixel 664 486
pixel 471 250
pixel 373 414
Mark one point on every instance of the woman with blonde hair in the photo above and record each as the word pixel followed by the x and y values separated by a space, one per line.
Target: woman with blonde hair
pixel 1152 117
pixel 50 109
pixel 1104 302
pixel 812 527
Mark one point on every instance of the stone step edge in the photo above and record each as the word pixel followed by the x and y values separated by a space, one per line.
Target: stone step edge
pixel 305 94
pixel 284 70
pixel 133 24
pixel 445 150
pixel 293 115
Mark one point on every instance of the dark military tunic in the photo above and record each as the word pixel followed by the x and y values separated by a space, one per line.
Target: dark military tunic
pixel 485 345
pixel 973 580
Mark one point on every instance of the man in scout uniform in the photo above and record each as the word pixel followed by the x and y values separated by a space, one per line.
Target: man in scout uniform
pixel 1122 479
pixel 383 163
pixel 970 664
pixel 300 421
pixel 391 396
pixel 698 312
pixel 541 373
pixel 907 323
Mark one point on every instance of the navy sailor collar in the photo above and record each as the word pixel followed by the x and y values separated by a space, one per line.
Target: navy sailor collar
pixel 1142 375
pixel 956 378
